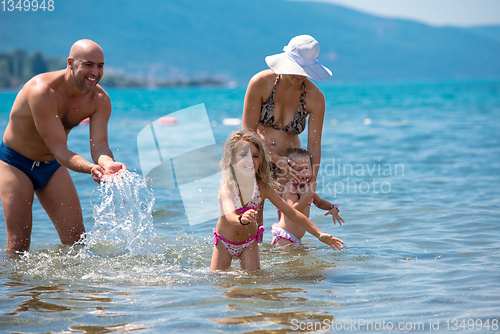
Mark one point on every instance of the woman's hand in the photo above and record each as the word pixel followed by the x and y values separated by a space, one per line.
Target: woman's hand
pixel 287 171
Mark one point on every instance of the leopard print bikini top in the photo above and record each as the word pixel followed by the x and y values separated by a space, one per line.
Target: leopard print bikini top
pixel 298 122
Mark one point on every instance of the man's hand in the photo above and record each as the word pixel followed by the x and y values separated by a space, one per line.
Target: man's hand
pixel 97 173
pixel 114 168
pixel 111 170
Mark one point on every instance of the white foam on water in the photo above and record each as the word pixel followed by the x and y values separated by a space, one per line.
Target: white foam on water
pixel 122 246
pixel 123 216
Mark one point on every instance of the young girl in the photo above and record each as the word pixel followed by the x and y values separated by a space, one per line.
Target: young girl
pixel 246 183
pixel 300 196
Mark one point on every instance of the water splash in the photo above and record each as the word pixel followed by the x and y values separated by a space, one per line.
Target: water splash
pixel 122 246
pixel 123 216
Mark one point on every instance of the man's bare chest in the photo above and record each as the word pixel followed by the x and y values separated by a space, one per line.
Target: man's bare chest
pixel 72 113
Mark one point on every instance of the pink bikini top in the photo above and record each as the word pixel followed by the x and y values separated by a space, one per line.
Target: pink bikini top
pixel 254 202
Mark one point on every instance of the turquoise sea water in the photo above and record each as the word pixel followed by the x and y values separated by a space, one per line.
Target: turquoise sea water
pixel 414 168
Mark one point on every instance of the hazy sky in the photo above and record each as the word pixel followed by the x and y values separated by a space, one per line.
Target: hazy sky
pixel 434 12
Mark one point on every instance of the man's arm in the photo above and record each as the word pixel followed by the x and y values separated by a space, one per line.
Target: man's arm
pixel 43 103
pixel 98 128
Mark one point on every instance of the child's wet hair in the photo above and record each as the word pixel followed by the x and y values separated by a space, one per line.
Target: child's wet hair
pixel 296 151
pixel 233 142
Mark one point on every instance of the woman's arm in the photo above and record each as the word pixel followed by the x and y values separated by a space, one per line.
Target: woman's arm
pixel 254 97
pixel 316 107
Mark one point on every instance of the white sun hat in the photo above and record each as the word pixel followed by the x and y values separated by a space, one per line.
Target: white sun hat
pixel 300 58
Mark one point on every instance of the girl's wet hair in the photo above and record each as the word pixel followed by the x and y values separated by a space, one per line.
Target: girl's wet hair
pixel 233 142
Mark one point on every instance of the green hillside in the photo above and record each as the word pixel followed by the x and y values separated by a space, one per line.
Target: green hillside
pixel 228 40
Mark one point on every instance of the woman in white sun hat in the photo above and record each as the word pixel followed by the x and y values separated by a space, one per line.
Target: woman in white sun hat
pixel 279 100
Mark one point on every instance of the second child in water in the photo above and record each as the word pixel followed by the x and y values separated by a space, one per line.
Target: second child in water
pixel 300 196
pixel 246 183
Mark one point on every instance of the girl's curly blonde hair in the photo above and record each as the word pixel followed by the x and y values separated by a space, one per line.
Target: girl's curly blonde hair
pixel 233 142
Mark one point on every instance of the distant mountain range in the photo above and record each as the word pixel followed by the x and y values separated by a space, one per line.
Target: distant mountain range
pixel 228 39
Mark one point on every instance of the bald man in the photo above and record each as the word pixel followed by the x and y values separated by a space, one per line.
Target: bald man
pixel 34 156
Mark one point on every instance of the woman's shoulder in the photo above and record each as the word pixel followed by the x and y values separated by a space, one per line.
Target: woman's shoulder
pixel 314 95
pixel 263 79
pixel 313 90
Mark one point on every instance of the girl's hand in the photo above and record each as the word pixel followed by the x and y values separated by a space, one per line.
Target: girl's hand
pixel 335 214
pixel 249 217
pixel 330 240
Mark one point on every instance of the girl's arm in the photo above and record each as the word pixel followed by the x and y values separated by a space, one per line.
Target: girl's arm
pixel 331 208
pixel 304 200
pixel 302 203
pixel 299 218
pixel 322 204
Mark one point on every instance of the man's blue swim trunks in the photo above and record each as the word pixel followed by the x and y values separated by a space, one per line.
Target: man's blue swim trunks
pixel 39 172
